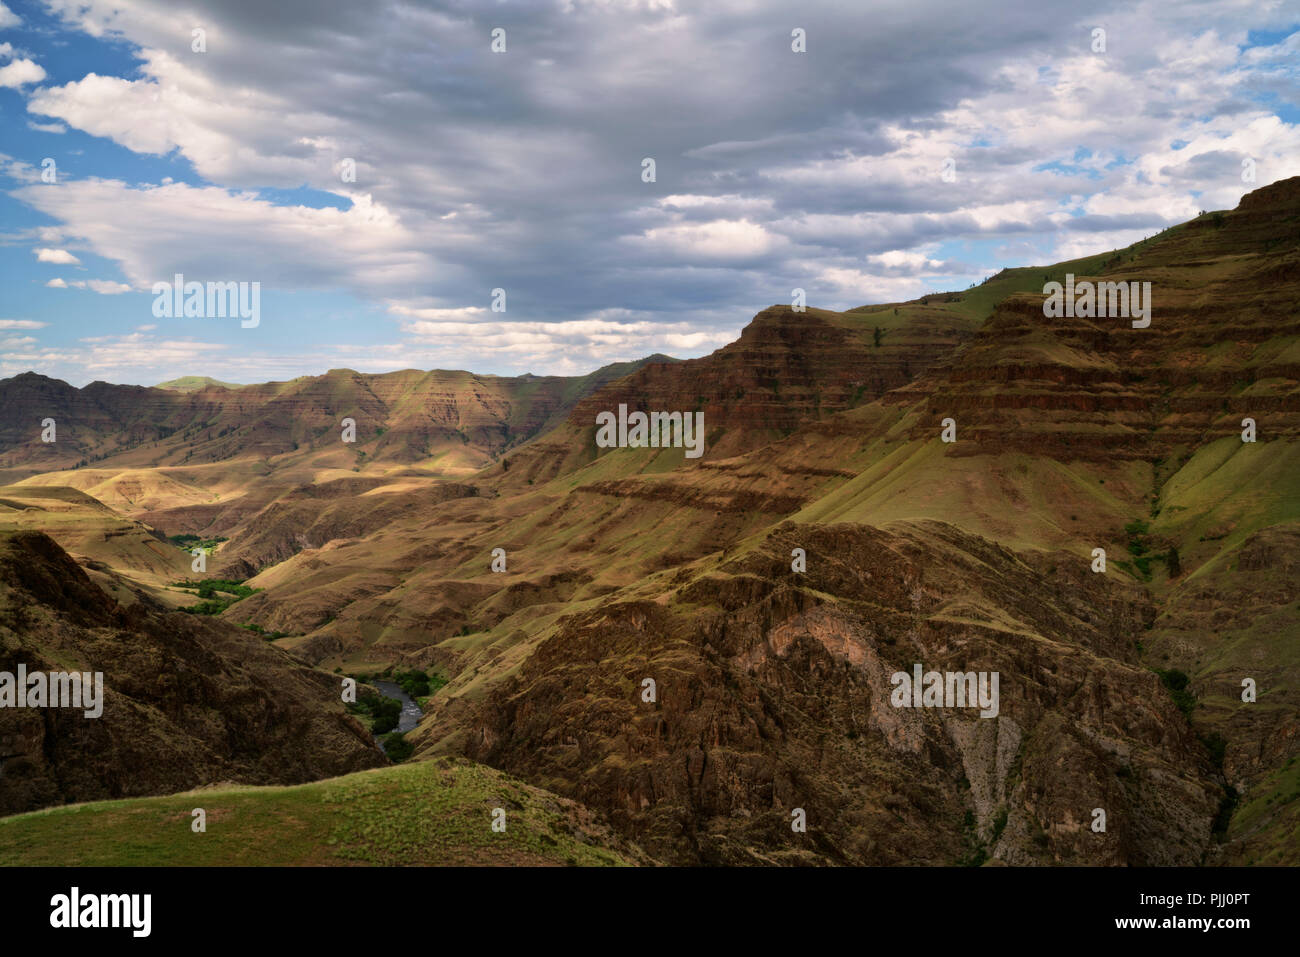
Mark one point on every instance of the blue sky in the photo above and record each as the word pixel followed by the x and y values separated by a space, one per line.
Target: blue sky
pixel 522 170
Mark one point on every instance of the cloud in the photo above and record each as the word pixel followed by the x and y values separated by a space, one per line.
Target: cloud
pixel 213 234
pixel 60 257
pixel 21 324
pixel 18 73
pixel 718 240
pixel 8 19
pixel 105 287
pixel 822 170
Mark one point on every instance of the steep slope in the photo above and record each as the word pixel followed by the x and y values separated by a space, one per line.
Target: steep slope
pixel 92 532
pixel 773 693
pixel 186 701
pixel 787 368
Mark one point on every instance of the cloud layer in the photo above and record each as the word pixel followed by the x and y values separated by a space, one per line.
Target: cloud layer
pixel 915 145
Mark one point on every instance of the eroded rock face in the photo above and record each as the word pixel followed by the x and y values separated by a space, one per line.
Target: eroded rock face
pixel 787 369
pixel 774 694
pixel 1223 294
pixel 187 701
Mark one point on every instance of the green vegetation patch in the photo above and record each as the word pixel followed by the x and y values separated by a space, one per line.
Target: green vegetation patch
pixel 189 542
pixel 419 813
pixel 218 594
pixel 1176 682
pixel 382 712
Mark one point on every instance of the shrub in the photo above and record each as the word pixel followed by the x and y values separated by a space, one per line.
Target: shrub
pixel 414 683
pixel 1176 682
pixel 999 823
pixel 387 714
pixel 218 594
pixel 206 608
pixel 1217 746
pixel 384 713
pixel 397 747
pixel 1136 527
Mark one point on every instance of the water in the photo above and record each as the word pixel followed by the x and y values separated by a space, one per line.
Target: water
pixel 411 713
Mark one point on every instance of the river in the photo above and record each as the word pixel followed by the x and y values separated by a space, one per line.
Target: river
pixel 411 713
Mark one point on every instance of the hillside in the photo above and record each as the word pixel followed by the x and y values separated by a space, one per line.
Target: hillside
pixel 1048 464
pixel 430 813
pixel 186 700
pixel 773 694
pixel 1120 690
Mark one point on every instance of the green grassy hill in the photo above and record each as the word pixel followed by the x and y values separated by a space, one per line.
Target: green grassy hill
pixel 424 813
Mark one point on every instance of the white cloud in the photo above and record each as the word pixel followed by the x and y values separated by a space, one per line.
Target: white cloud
pixel 8 18
pixel 139 351
pixel 20 73
pixel 467 313
pixel 21 324
pixel 212 234
pixel 577 344
pixel 719 240
pixel 252 138
pixel 105 287
pixel 855 285
pixel 60 257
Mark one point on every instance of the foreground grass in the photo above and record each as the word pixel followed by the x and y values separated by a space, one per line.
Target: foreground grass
pixel 426 813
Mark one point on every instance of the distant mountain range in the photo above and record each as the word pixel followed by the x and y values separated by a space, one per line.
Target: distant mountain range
pixel 457 420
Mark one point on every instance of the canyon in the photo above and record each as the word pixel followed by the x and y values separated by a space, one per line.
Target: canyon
pixel 1119 690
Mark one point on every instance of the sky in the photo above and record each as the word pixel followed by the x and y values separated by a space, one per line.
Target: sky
pixel 379 169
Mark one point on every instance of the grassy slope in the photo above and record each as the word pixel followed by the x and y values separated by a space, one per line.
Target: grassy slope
pixel 424 813
pixel 192 383
pixel 1266 826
